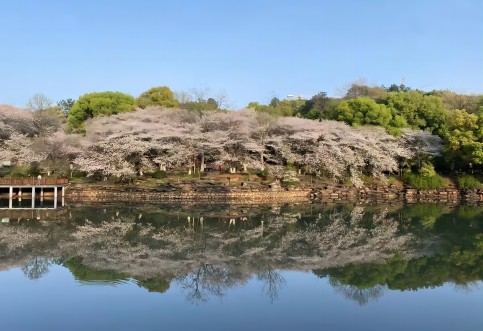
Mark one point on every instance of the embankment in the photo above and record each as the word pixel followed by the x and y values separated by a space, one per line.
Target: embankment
pixel 244 195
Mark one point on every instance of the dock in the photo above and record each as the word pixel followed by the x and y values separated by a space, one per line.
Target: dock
pixel 33 187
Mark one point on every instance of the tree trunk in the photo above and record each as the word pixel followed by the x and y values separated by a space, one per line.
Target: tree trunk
pixel 202 166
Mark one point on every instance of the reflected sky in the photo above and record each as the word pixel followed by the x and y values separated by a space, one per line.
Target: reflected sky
pixel 59 302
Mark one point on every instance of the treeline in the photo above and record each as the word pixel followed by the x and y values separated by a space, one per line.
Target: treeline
pixel 455 118
pixel 104 134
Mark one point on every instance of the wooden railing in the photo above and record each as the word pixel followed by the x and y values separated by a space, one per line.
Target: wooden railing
pixel 34 181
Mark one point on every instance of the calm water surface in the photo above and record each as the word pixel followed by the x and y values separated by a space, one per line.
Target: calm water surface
pixel 315 267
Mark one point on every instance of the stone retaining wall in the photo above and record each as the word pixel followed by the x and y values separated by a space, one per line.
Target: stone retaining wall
pixel 233 197
pixel 299 195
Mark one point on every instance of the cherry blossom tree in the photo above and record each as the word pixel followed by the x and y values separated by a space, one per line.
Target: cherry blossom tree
pixel 144 141
pixel 16 120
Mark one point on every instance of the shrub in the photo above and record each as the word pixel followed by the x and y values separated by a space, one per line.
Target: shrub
pixel 159 174
pixel 79 174
pixel 421 182
pixel 20 171
pixel 468 182
pixel 426 179
pixel 287 183
pixel 427 170
pixel 34 169
pixel 263 174
pixel 347 182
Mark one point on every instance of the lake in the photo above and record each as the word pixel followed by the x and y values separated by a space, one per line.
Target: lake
pixel 221 267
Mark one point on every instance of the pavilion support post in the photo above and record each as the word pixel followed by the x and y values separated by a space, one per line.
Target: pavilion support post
pixel 33 197
pixel 55 196
pixel 10 197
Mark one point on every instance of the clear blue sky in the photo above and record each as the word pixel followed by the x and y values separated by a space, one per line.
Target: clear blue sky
pixel 252 49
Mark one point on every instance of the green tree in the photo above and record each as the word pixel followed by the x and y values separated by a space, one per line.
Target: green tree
pixel 66 105
pixel 95 104
pixel 274 102
pixel 362 111
pixel 156 284
pixel 279 107
pixel 453 100
pixel 157 96
pixel 398 88
pixel 319 106
pixel 464 138
pixel 419 110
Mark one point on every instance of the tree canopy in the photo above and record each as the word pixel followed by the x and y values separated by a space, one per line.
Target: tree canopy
pixel 98 103
pixel 419 110
pixel 157 96
pixel 362 111
pixel 464 137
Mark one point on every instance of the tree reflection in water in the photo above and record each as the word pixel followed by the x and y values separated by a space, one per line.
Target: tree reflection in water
pixel 361 251
pixel 360 295
pixel 273 282
pixel 37 267
pixel 206 281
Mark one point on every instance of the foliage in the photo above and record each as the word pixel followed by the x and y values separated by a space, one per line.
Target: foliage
pixel 66 105
pixel 280 107
pixel 96 104
pixel 201 106
pixel 427 170
pixel 157 96
pixel 457 261
pixel 159 174
pixel 271 136
pixel 263 174
pixel 420 111
pixel 20 171
pixel 319 106
pixel 363 111
pixel 426 179
pixel 468 182
pixel 464 137
pixel 286 182
pixel 86 274
pixel 398 88
pixel 452 100
pixel 33 169
pixel 159 285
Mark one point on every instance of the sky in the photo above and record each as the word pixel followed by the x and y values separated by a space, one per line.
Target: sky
pixel 251 50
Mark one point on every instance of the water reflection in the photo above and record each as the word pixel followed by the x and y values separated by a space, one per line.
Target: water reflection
pixel 273 281
pixel 206 251
pixel 37 267
pixel 360 295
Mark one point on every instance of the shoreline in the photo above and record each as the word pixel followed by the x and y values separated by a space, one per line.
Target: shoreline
pixel 245 195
